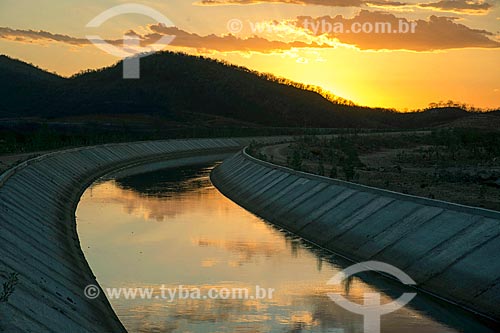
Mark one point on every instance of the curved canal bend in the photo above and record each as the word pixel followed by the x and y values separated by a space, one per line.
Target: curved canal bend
pixel 172 228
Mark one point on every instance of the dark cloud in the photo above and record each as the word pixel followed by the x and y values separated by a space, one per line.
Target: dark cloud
pixel 42 37
pixel 223 43
pixel 331 3
pixel 437 33
pixel 32 36
pixel 385 3
pixel 459 6
pixel 182 39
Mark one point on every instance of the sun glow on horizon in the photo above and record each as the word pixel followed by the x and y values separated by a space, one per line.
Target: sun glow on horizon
pixel 395 73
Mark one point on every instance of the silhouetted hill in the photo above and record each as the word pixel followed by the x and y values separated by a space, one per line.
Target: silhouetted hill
pixel 183 90
pixel 438 116
pixel 179 86
pixel 174 86
pixel 24 89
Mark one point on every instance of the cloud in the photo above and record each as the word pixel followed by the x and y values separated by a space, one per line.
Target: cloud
pixel 226 43
pixel 335 3
pixel 387 4
pixel 437 33
pixel 31 36
pixel 330 3
pixel 44 37
pixel 459 6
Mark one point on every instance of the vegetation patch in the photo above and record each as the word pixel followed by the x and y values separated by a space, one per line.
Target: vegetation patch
pixel 9 286
pixel 457 165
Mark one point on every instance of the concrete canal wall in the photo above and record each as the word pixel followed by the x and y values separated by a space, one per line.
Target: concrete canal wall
pixel 38 238
pixel 450 250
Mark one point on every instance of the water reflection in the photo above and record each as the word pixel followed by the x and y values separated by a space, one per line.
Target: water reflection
pixel 161 184
pixel 173 228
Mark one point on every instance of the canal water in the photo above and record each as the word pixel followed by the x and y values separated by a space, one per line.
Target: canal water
pixel 197 262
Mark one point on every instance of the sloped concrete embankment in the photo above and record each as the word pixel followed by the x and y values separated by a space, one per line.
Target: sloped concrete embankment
pixel 38 236
pixel 450 250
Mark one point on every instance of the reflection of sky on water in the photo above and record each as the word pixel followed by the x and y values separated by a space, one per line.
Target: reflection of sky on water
pixel 173 228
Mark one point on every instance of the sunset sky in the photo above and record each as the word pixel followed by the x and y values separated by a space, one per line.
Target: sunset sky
pixel 454 52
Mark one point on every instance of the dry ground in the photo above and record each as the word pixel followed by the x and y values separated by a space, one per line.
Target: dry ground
pixel 477 186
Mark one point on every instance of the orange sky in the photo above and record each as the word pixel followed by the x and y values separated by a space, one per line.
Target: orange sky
pixel 453 53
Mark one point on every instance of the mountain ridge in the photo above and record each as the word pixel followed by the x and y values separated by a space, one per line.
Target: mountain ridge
pixel 190 90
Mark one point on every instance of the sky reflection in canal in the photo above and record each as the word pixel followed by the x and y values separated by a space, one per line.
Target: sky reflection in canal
pixel 172 228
